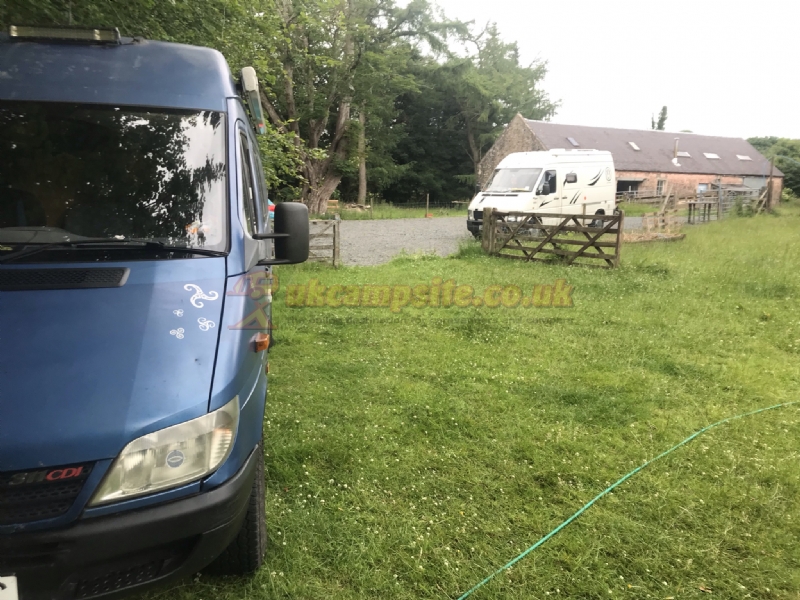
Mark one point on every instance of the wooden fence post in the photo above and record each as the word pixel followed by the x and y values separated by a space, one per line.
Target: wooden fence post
pixel 487 240
pixel 620 227
pixel 336 237
pixel 770 193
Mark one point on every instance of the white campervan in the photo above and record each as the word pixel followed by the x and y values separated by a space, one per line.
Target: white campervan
pixel 553 181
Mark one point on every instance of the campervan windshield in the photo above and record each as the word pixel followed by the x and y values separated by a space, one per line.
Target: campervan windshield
pixel 76 171
pixel 513 180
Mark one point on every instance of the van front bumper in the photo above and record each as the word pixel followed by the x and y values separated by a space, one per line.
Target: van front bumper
pixel 114 555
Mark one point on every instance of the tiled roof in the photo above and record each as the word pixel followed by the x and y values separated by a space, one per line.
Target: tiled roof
pixel 656 149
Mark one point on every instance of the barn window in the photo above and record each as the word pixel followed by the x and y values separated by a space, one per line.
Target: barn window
pixel 573 141
pixel 634 146
pixel 660 187
pixel 684 154
pixel 743 157
pixel 711 155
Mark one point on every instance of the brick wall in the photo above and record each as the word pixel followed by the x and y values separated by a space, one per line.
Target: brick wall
pixel 516 138
pixel 682 183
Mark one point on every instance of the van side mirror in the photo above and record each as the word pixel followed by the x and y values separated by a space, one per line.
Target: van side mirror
pixel 544 190
pixel 291 234
pixel 572 178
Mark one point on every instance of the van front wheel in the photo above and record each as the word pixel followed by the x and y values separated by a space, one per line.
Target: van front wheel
pixel 245 554
pixel 597 222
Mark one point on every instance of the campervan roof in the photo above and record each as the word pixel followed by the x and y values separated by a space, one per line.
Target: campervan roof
pixel 520 160
pixel 132 72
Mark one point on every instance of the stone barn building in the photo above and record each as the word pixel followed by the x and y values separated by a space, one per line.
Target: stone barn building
pixel 644 158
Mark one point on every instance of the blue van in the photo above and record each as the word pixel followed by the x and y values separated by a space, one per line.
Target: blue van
pixel 135 256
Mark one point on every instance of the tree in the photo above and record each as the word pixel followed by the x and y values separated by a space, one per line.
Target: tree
pixel 326 50
pixel 431 149
pixel 786 153
pixel 463 105
pixel 662 120
pixel 491 87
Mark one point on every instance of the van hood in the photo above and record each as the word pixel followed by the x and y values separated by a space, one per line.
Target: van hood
pixel 505 202
pixel 85 371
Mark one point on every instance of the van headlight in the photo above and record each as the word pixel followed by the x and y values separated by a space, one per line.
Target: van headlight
pixel 471 215
pixel 171 457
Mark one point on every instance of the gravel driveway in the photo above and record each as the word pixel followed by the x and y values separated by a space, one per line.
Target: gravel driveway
pixel 377 242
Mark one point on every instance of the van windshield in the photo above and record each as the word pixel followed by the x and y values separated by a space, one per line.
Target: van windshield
pixel 75 171
pixel 513 180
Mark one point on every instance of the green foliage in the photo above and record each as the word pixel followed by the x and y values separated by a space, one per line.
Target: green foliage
pixel 462 106
pixel 490 87
pixel 786 153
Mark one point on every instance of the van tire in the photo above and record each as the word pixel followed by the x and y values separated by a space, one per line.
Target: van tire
pixel 597 222
pixel 245 554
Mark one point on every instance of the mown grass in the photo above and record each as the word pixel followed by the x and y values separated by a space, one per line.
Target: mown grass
pixel 410 455
pixel 390 211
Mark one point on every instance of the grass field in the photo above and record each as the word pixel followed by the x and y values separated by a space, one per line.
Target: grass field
pixel 409 455
pixel 637 209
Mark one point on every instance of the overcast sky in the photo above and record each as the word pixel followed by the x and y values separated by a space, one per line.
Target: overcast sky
pixel 722 68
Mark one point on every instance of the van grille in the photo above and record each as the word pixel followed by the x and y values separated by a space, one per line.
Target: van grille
pixel 31 496
pixel 131 571
pixel 119 580
pixel 478 215
pixel 12 280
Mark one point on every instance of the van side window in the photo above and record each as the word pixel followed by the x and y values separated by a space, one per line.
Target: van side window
pixel 550 178
pixel 263 194
pixel 248 186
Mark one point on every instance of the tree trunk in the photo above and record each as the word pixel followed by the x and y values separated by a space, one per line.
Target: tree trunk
pixel 474 150
pixel 320 192
pixel 362 157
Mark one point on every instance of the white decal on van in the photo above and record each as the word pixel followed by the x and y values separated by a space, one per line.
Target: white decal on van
pixel 178 313
pixel 205 324
pixel 178 333
pixel 199 294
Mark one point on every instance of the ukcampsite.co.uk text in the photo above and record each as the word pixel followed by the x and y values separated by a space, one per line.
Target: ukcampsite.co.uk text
pixel 437 294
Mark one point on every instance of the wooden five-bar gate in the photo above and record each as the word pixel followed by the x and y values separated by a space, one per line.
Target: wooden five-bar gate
pixel 324 241
pixel 592 239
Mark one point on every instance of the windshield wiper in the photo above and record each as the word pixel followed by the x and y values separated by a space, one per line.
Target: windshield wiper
pixel 112 244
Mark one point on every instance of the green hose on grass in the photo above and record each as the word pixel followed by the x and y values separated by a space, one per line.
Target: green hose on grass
pixel 611 487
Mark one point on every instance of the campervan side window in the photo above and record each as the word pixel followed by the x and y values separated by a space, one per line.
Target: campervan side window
pixel 550 178
pixel 513 180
